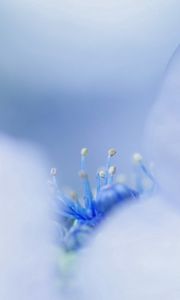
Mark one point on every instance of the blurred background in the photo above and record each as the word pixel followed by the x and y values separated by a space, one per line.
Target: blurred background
pixel 76 73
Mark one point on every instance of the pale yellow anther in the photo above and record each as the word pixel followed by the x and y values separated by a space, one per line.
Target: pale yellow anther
pixel 112 152
pixel 82 174
pixel 84 151
pixel 137 158
pixel 53 172
pixel 102 174
pixel 74 195
pixel 112 170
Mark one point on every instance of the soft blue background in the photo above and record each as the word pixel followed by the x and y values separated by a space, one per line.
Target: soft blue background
pixel 83 73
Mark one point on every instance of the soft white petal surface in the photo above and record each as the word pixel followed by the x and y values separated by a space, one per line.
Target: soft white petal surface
pixel 26 257
pixel 135 256
pixel 163 131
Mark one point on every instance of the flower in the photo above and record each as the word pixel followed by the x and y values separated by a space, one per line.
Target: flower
pixel 135 255
pixel 78 217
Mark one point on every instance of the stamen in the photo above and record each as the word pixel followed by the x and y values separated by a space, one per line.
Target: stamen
pixel 100 177
pixel 112 170
pixel 83 174
pixel 111 173
pixel 53 172
pixel 111 153
pixel 102 174
pixel 88 196
pixel 73 195
pixel 84 153
pixel 137 158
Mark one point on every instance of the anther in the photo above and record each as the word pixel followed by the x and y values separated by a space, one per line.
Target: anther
pixel 53 172
pixel 74 195
pixel 84 151
pixel 83 174
pixel 112 170
pixel 111 152
pixel 137 158
pixel 102 174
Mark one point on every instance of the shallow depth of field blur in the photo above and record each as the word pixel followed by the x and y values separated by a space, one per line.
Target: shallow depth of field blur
pixel 83 73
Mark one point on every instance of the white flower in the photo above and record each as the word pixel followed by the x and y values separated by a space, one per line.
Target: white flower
pixel 136 255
